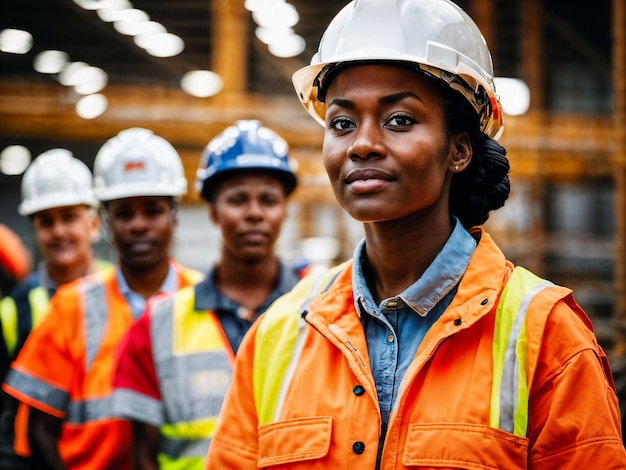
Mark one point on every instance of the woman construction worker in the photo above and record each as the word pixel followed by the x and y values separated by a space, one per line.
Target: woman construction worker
pixel 58 198
pixel 428 349
pixel 64 371
pixel 175 362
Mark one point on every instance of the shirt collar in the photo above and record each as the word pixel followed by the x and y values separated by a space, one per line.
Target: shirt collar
pixel 44 278
pixel 209 297
pixel 443 274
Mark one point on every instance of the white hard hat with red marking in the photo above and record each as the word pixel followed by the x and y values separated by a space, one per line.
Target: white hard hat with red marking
pixel 136 162
pixel 56 179
pixel 435 35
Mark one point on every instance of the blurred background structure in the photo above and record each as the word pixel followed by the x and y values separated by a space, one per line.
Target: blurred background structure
pixel 75 72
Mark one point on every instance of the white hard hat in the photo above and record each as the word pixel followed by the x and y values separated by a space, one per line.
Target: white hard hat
pixel 436 35
pixel 138 163
pixel 56 179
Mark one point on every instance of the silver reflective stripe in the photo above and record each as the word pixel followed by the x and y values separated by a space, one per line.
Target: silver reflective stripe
pixel 180 448
pixel 509 398
pixel 81 412
pixel 201 376
pixel 95 309
pixel 132 405
pixel 42 392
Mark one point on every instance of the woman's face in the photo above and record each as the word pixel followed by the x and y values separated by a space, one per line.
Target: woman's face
pixel 249 209
pixel 386 149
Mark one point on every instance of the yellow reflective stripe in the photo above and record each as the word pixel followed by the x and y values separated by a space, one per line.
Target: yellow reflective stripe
pixel 186 463
pixel 193 276
pixel 38 299
pixel 276 342
pixel 8 318
pixel 510 350
pixel 200 429
pixel 191 333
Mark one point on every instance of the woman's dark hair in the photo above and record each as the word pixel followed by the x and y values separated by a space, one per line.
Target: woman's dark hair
pixel 484 185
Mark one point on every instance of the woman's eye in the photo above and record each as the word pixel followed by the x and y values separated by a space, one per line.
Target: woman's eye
pixel 341 124
pixel 401 120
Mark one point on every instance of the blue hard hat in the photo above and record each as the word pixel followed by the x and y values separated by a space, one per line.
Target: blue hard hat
pixel 245 146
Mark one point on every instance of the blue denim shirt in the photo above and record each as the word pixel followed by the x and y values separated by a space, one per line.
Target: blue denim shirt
pixel 395 328
pixel 136 301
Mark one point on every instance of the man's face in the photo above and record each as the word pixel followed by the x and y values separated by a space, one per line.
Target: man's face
pixel 142 229
pixel 249 209
pixel 64 235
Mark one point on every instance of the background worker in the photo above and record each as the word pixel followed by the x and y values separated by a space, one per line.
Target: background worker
pixel 175 363
pixel 138 177
pixel 58 198
pixel 428 348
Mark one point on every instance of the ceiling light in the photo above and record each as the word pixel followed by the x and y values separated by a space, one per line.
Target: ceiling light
pixel 90 80
pixel 91 106
pixel 255 5
pixel 514 95
pixel 70 73
pixel 15 41
pixel 88 4
pixel 274 35
pixel 291 46
pixel 109 10
pixel 201 83
pixel 128 21
pixel 165 45
pixel 277 14
pixel 14 159
pixel 50 61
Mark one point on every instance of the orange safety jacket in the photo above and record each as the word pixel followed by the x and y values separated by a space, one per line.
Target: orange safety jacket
pixel 66 369
pixel 303 395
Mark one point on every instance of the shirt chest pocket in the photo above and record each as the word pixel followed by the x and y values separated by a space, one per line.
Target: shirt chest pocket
pixel 463 446
pixel 294 440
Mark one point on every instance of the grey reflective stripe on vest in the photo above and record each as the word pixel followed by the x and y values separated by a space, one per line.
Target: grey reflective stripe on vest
pixel 40 391
pixel 181 448
pixel 95 314
pixel 192 385
pixel 81 412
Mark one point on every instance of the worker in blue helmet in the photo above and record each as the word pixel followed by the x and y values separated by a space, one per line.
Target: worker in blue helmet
pixel 176 361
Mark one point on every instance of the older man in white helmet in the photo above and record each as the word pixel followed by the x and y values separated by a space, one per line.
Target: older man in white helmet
pixel 138 177
pixel 58 198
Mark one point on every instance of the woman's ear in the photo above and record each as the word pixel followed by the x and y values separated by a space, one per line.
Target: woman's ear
pixel 462 152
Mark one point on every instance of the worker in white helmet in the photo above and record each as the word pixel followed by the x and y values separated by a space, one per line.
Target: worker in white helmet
pixel 175 362
pixel 138 178
pixel 58 198
pixel 428 349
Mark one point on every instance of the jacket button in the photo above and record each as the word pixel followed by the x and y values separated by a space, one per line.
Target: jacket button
pixel 358 390
pixel 484 302
pixel 358 447
pixel 458 322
